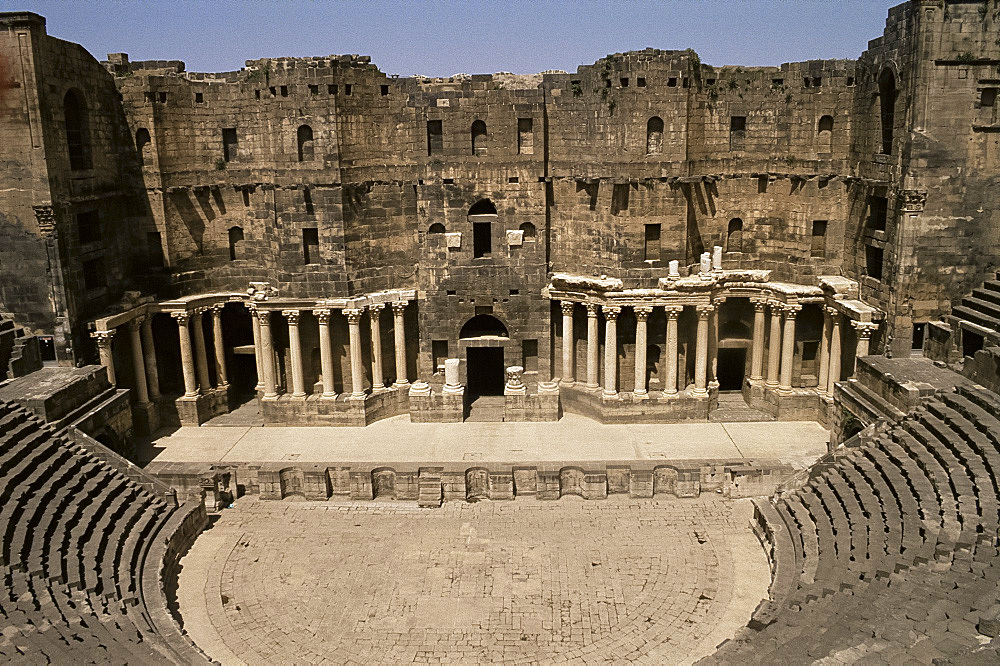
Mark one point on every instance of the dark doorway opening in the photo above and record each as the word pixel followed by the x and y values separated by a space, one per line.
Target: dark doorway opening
pixel 971 343
pixel 918 336
pixel 485 371
pixel 732 364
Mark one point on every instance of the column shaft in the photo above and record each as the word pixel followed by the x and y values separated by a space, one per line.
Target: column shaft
pixel 200 352
pixel 258 357
pixel 267 354
pixel 187 357
pixel 295 351
pixel 611 351
pixel 138 362
pixel 713 347
pixel 774 347
pixel 757 354
pixel 834 353
pixel 701 353
pixel 824 354
pixel 399 333
pixel 149 357
pixel 220 349
pixel 641 315
pixel 325 352
pixel 788 348
pixel 671 380
pixel 104 350
pixel 592 344
pixel 375 314
pixel 357 369
pixel 568 371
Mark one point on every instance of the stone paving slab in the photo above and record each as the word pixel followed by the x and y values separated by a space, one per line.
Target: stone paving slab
pixel 572 438
pixel 492 582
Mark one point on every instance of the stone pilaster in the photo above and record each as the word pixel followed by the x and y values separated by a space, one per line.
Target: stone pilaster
pixel 865 330
pixel 104 351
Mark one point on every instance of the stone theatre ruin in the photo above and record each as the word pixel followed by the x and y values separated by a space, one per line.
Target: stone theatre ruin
pixel 647 240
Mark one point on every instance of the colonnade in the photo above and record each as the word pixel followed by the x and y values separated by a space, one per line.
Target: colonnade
pixel 780 352
pixel 265 351
pixel 146 376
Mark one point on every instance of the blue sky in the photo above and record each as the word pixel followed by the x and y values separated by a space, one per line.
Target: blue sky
pixel 439 38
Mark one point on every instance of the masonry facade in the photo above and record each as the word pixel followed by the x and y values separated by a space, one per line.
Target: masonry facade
pixel 635 236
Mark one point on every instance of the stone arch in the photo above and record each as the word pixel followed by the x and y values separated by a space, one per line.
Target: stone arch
pixel 478 137
pixel 304 138
pixel 77 129
pixel 477 484
pixel 734 235
pixel 529 231
pixel 436 228
pixel 142 146
pixel 484 325
pixel 654 136
pixel 384 483
pixel 571 481
pixel 825 124
pixel 291 481
pixel 483 207
pixel 665 481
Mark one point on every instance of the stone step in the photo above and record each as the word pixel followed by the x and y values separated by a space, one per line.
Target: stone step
pixel 976 317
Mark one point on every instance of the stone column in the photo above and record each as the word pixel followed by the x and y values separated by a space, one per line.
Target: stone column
pixel 399 333
pixel 267 354
pixel 713 347
pixel 357 369
pixel 835 320
pixel 788 347
pixel 200 351
pixel 611 350
pixel 220 348
pixel 149 356
pixel 641 315
pixel 104 350
pixel 325 353
pixel 374 312
pixel 774 346
pixel 701 353
pixel 568 371
pixel 138 362
pixel 865 330
pixel 673 311
pixel 258 357
pixel 187 358
pixel 757 354
pixel 824 354
pixel 592 345
pixel 295 349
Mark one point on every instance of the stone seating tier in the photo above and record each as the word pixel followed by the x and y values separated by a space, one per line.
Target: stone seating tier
pixel 891 552
pixel 76 535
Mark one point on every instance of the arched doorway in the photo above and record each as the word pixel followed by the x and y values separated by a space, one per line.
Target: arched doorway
pixel 484 336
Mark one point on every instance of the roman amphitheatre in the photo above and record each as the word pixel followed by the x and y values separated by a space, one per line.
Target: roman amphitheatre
pixel 656 361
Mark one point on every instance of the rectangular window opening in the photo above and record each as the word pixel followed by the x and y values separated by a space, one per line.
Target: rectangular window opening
pixel 451 292
pixel 199 97
pixel 818 248
pixel 331 89
pixel 439 352
pixel 737 123
pixel 850 81
pixel 482 243
pixel 988 97
pixel 777 82
pixel 623 82
pixel 256 94
pixel 310 245
pixel 229 143
pixel 514 180
pixel 347 88
pixel 88 227
pixel 525 137
pixel 448 181
pixel 163 97
pixel 817 81
pixel 672 82
pixel 652 247
pixel 284 91
pixel 640 82
pixel 435 137
pixel 514 292
pixel 529 355
pixel 384 90
pixel 878 212
pixel 313 89
pixel 619 198
pixel 873 261
pixel 94 276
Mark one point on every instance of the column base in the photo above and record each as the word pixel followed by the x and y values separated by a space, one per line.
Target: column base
pixel 298 396
pixel 640 394
pixel 591 387
pixel 567 382
pixel 607 395
pixel 699 393
pixel 328 396
pixel 402 386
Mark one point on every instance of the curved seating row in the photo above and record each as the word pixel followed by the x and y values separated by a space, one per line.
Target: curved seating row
pixel 890 553
pixel 75 536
